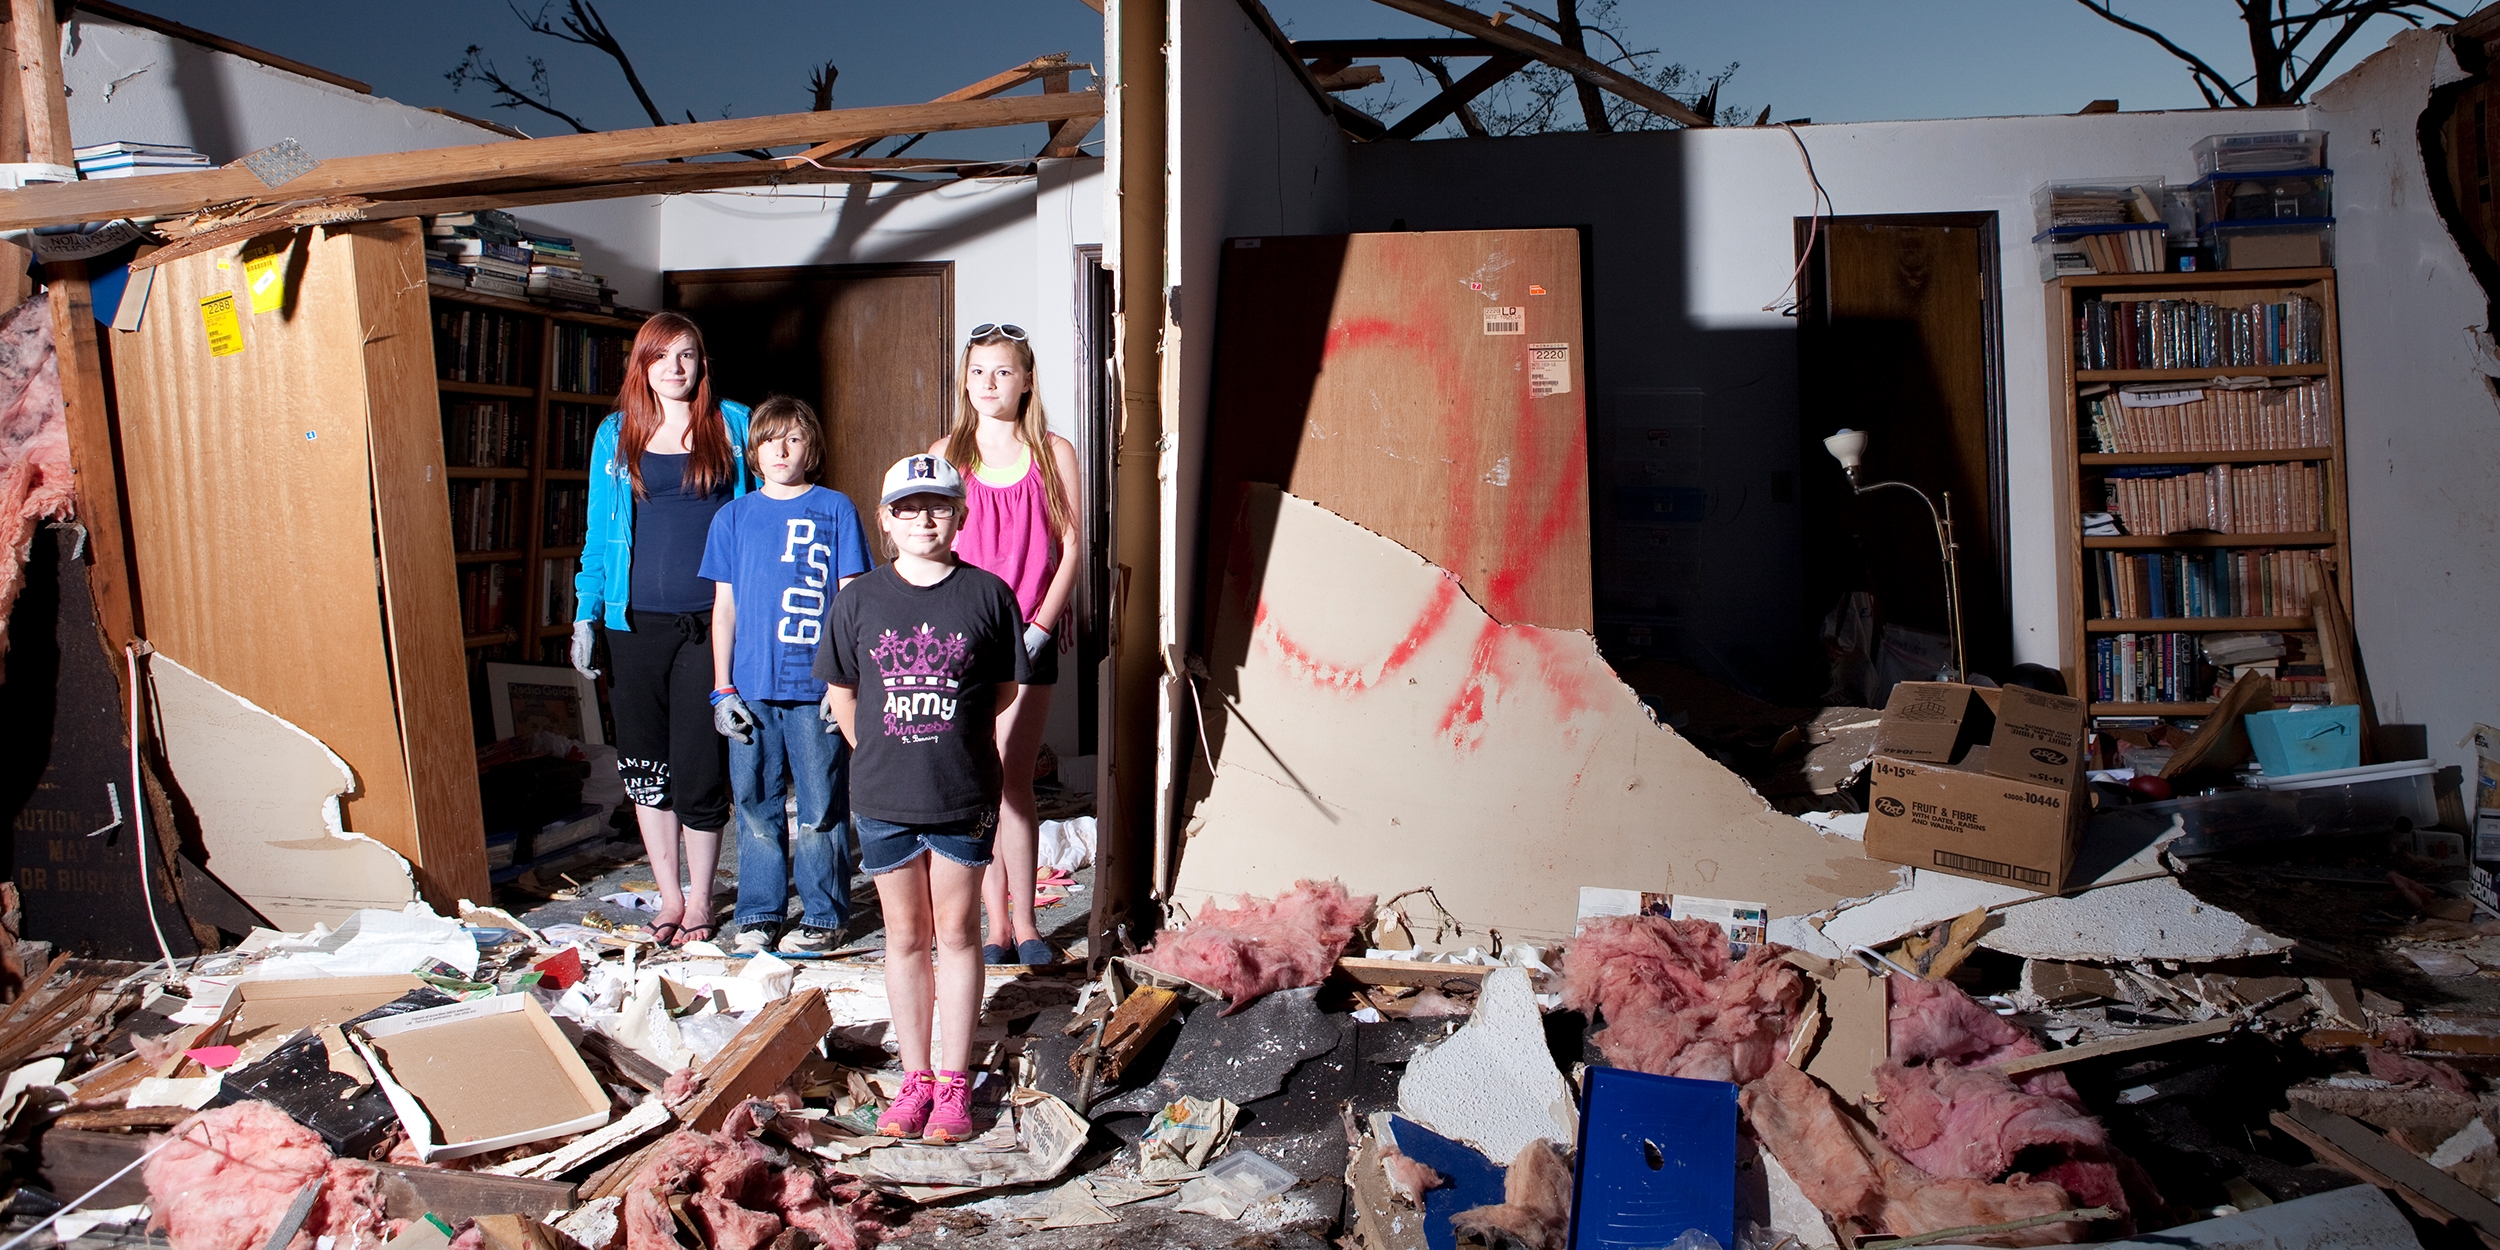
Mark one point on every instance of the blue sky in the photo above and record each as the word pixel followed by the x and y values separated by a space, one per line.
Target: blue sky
pixel 1830 60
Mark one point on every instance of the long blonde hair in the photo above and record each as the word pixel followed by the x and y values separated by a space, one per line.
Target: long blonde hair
pixel 963 445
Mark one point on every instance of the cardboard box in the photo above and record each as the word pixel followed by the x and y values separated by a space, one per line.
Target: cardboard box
pixel 2039 738
pixel 482 1075
pixel 2487 835
pixel 1930 721
pixel 1971 824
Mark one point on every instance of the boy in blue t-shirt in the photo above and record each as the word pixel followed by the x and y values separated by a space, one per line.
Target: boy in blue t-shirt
pixel 776 557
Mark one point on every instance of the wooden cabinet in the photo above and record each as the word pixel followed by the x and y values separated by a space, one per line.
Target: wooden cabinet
pixel 2231 502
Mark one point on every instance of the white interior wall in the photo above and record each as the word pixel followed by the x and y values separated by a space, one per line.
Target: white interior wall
pixel 1252 154
pixel 129 83
pixel 1692 232
pixel 2419 416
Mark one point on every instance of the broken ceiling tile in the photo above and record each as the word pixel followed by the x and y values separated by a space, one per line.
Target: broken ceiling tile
pixel 1931 899
pixel 1240 1058
pixel 2153 919
pixel 1493 1084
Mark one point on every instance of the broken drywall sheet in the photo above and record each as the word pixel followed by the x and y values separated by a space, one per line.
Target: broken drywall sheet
pixel 1494 1083
pixel 2155 919
pixel 1932 899
pixel 267 797
pixel 1371 722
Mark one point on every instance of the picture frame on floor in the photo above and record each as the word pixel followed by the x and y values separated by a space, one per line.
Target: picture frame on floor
pixel 527 698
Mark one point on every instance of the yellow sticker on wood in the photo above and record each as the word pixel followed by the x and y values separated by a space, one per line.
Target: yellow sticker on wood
pixel 265 276
pixel 225 329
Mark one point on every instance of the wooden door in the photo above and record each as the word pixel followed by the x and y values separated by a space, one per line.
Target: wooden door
pixel 1898 336
pixel 870 347
pixel 1429 386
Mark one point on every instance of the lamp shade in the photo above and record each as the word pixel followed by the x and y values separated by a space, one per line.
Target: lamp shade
pixel 1848 447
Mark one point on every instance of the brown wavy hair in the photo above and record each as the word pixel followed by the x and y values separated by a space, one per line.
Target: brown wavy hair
pixel 963 446
pixel 710 459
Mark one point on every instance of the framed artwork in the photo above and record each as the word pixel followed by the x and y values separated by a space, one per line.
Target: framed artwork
pixel 531 697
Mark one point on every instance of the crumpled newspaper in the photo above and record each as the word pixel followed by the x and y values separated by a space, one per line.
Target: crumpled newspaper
pixel 1183 1136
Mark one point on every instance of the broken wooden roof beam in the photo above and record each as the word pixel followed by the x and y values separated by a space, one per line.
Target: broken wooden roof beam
pixel 1355 122
pixel 1579 65
pixel 1390 49
pixel 1052 70
pixel 1478 81
pixel 454 171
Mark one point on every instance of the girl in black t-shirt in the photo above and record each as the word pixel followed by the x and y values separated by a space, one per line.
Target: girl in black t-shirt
pixel 919 659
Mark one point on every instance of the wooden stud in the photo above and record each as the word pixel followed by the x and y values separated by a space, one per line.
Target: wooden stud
pixel 2349 1144
pixel 763 1055
pixel 1139 1018
pixel 2116 1046
pixel 1478 81
pixel 451 169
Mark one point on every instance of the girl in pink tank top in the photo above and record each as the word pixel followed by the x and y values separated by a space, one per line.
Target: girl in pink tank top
pixel 1019 523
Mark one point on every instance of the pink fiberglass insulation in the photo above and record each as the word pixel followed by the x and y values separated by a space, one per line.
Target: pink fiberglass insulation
pixel 1674 1004
pixel 738 1196
pixel 1848 1173
pixel 231 1174
pixel 1535 1210
pixel 1955 1117
pixel 35 480
pixel 1260 947
pixel 2387 1065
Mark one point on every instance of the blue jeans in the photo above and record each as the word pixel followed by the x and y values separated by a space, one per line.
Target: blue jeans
pixel 792 751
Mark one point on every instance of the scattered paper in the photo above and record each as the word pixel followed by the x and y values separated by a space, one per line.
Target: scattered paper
pixel 373 942
pixel 76 1224
pixel 190 1093
pixel 1042 1138
pixel 1182 1136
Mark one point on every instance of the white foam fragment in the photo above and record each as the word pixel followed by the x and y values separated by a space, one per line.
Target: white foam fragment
pixel 2151 919
pixel 1493 1084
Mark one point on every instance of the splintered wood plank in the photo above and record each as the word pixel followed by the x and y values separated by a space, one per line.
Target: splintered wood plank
pixel 248 479
pixel 1387 378
pixel 763 1055
pixel 169 194
pixel 2349 1144
pixel 420 587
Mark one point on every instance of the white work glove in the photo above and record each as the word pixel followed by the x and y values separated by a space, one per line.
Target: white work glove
pixel 1035 638
pixel 732 717
pixel 582 639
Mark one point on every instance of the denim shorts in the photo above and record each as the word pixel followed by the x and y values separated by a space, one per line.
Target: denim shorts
pixel 885 846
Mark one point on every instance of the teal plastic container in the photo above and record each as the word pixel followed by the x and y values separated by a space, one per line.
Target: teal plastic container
pixel 2295 741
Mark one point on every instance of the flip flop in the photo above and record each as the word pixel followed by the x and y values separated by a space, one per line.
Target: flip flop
pixel 666 933
pixel 1054 876
pixel 689 933
pixel 1049 900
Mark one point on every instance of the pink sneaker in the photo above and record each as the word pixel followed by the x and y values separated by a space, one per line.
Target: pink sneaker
pixel 910 1109
pixel 950 1118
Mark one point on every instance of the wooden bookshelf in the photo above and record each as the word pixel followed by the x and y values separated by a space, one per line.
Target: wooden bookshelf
pixel 2082 473
pixel 531 367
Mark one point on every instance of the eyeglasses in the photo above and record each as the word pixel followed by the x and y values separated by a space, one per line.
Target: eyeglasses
pixel 938 511
pixel 987 328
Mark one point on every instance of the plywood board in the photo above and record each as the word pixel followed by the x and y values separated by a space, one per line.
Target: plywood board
pixel 1371 722
pixel 420 586
pixel 267 797
pixel 1379 376
pixel 248 478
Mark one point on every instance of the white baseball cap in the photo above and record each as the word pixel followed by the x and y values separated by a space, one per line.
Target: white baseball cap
pixel 922 475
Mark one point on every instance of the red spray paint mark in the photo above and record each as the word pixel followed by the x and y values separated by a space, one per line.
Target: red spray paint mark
pixel 1351 678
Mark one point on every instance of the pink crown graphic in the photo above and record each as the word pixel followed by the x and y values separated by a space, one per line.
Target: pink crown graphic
pixel 921 659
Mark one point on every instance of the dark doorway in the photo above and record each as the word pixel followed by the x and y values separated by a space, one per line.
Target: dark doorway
pixel 1899 335
pixel 1098 436
pixel 869 346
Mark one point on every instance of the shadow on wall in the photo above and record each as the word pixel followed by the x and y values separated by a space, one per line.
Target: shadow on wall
pixel 208 101
pixel 1693 437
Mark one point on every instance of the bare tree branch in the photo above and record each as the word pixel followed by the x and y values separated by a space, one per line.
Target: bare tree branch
pixel 1592 101
pixel 583 25
pixel 1467 119
pixel 820 87
pixel 2196 65
pixel 475 67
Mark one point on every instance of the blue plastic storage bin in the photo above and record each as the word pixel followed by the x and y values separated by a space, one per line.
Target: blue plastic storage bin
pixel 2306 740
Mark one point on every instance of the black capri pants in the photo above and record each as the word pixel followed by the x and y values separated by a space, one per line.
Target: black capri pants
pixel 660 687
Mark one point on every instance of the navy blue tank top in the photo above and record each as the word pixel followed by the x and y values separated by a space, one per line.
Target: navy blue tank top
pixel 670 527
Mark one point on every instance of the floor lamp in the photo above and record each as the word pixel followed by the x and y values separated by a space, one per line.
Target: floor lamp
pixel 1849 448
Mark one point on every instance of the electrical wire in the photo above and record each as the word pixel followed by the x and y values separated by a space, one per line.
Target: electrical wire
pixel 140 849
pixel 1822 208
pixel 81 1200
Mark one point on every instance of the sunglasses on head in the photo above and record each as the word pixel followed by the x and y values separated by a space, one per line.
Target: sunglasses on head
pixel 988 328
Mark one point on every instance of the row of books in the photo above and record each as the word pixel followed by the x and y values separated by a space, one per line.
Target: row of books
pixel 480 345
pixel 568 513
pixel 123 158
pixel 2197 334
pixel 555 592
pixel 488 252
pixel 570 427
pixel 591 361
pixel 2149 668
pixel 2150 419
pixel 2225 499
pixel 2123 249
pixel 2224 581
pixel 485 515
pixel 484 599
pixel 484 434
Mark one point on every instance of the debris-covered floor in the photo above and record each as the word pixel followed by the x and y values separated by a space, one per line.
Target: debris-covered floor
pixel 2204 1040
